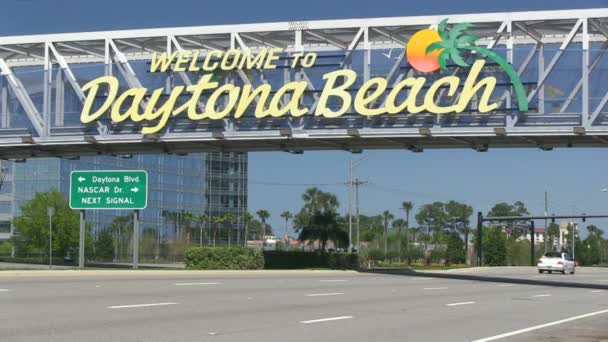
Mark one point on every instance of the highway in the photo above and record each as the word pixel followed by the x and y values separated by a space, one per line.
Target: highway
pixel 292 306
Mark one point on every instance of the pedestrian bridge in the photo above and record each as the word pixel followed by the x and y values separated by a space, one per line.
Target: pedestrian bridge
pixel 546 70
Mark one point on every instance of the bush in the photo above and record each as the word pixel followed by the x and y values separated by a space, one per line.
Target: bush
pixel 299 260
pixel 224 258
pixel 5 248
pixel 375 254
pixel 35 260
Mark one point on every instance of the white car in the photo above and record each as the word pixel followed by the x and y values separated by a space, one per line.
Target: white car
pixel 556 261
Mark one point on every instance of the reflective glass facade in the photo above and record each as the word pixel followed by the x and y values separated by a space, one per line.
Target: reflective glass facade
pixel 212 184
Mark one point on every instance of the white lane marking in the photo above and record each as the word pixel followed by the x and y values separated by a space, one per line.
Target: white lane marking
pixel 435 288
pixel 326 319
pixel 97 286
pixel 540 326
pixel 4 290
pixel 138 305
pixel 542 295
pixel 506 285
pixel 324 294
pixel 596 291
pixel 462 303
pixel 332 280
pixel 194 284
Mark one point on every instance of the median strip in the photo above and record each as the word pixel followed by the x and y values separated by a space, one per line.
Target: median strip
pixel 324 294
pixel 326 319
pixel 139 305
pixel 462 303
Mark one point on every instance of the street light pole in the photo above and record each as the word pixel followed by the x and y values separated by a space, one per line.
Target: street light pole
pixel 50 211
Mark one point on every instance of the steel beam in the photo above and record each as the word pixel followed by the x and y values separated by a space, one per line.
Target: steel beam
pixel 24 99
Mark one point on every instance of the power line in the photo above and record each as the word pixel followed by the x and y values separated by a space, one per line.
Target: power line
pixel 294 184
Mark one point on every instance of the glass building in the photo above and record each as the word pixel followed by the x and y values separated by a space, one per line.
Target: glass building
pixel 185 194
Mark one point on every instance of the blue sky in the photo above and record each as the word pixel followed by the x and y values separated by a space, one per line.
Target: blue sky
pixel 573 177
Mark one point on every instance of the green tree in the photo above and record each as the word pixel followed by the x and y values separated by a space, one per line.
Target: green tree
pixel 121 229
pixel 324 226
pixel 286 215
pixel 494 246
pixel 263 215
pixel 504 209
pixel 407 206
pixel 552 233
pixel 104 246
pixel 33 225
pixel 453 43
pixel 433 218
pixel 399 224
pixel 455 252
pixel 315 201
pixel 386 218
pixel 247 218
pixel 459 214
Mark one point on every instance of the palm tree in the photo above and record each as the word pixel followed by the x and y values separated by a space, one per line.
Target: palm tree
pixel 407 206
pixel 230 219
pixel 399 224
pixel 247 217
pixel 201 219
pixel 453 42
pixel 324 226
pixel 287 216
pixel 386 217
pixel 218 220
pixel 263 214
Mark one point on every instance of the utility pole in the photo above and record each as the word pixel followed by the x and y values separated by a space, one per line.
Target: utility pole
pixel 350 207
pixel 545 233
pixel 357 183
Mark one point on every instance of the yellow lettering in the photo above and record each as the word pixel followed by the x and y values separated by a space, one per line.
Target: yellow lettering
pixel 272 57
pixel 92 87
pixel 248 61
pixel 232 93
pixel 163 62
pixel 429 97
pixel 232 57
pixel 136 95
pixel 164 112
pixel 181 60
pixel 292 106
pixel 247 96
pixel 409 104
pixel 196 89
pixel 362 99
pixel 470 88
pixel 207 66
pixel 193 67
pixel 340 91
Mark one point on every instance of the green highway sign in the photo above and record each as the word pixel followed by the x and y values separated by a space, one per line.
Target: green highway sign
pixel 115 189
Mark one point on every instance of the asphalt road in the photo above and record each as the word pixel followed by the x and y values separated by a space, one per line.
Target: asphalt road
pixel 290 306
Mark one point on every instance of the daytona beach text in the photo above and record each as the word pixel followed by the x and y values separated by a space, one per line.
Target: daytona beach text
pixel 138 105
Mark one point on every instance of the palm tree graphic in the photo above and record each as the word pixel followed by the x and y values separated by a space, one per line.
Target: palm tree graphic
pixel 455 41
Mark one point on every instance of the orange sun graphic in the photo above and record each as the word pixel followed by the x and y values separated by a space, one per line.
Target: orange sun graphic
pixel 416 51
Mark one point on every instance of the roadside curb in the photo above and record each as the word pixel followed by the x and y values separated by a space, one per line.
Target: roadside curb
pixel 493 279
pixel 165 272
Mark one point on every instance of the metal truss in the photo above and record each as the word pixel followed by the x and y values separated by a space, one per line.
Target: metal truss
pixel 558 54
